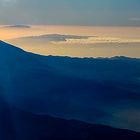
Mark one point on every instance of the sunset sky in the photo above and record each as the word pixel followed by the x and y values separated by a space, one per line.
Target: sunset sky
pixel 109 23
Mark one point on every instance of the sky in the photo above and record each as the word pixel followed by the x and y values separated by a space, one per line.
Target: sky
pixel 113 24
pixel 71 12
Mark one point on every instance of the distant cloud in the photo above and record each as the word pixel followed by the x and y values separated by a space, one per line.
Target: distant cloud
pixel 17 26
pixel 58 37
pixel 74 39
pixel 55 38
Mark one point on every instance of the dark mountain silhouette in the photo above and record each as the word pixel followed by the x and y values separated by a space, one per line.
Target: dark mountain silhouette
pixel 97 91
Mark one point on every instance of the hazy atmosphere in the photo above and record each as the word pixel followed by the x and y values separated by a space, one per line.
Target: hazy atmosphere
pixel 69 69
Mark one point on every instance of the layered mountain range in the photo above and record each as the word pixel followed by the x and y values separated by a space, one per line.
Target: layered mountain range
pixel 50 97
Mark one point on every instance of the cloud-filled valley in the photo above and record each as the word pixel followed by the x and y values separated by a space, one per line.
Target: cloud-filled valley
pixel 69 39
pixel 79 45
pixel 74 41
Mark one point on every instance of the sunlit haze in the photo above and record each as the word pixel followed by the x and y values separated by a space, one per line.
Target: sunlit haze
pixel 102 41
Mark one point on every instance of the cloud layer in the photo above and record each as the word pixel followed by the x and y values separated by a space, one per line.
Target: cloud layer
pixel 75 39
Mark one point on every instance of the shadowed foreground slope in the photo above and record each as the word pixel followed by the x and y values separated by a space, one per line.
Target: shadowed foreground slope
pixel 19 125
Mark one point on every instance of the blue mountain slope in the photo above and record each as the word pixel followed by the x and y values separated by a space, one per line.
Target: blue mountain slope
pixel 104 91
pixel 29 126
pixel 17 124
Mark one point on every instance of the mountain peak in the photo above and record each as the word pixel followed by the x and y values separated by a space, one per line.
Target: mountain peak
pixel 9 54
pixel 4 44
pixel 8 48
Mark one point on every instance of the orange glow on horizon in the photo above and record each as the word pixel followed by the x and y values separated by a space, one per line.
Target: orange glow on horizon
pixel 103 44
pixel 35 30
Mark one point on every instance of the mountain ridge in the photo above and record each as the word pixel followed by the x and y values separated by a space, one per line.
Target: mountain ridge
pixel 104 91
pixel 4 44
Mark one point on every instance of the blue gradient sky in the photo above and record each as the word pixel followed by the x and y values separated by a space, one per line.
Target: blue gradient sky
pixel 71 12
